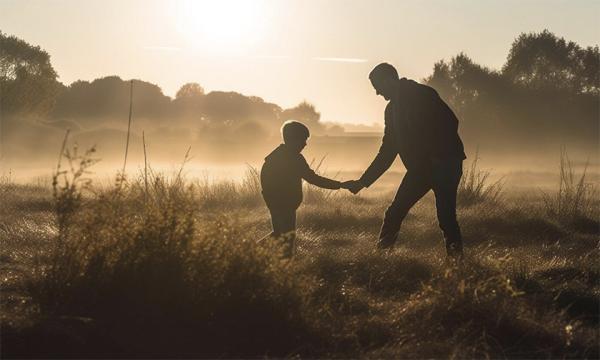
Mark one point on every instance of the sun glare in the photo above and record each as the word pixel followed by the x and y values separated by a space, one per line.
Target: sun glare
pixel 221 25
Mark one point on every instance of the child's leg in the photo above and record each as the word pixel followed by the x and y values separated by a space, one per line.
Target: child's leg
pixel 284 227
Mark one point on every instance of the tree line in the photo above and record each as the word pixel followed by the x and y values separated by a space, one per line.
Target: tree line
pixel 30 88
pixel 548 88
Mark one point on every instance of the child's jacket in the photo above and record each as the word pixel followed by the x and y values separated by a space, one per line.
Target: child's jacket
pixel 281 178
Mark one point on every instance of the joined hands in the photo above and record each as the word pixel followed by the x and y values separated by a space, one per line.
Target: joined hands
pixel 354 186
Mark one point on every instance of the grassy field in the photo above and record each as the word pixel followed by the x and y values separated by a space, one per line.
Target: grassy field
pixel 167 267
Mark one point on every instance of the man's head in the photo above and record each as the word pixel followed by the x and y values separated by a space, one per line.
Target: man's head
pixel 384 78
pixel 295 134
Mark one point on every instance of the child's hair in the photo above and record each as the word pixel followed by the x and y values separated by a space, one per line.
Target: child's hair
pixel 292 130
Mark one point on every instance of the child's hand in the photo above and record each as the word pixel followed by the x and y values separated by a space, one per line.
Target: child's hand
pixel 345 184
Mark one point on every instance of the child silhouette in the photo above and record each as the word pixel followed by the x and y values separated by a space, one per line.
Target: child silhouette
pixel 281 181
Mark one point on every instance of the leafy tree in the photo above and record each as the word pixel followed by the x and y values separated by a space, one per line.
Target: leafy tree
pixel 589 72
pixel 189 100
pixel 27 80
pixel 464 83
pixel 232 108
pixel 543 61
pixel 307 113
pixel 548 89
pixel 108 97
pixel 190 91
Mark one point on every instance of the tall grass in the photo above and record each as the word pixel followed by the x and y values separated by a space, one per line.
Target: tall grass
pixel 229 194
pixel 574 200
pixel 156 278
pixel 6 178
pixel 314 194
pixel 475 186
pixel 6 182
pixel 155 273
pixel 478 312
pixel 251 181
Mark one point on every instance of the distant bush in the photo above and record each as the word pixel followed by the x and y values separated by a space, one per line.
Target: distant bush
pixel 475 186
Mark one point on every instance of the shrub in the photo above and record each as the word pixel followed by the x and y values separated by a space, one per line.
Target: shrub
pixel 158 282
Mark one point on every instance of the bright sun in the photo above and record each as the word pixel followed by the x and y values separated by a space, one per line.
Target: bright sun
pixel 221 25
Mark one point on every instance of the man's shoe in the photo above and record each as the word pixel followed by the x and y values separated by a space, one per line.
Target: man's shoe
pixel 455 255
pixel 387 242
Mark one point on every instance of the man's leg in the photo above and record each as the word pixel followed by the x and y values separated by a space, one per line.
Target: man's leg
pixel 446 177
pixel 284 227
pixel 413 187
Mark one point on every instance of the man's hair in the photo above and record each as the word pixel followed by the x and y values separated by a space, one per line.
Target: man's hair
pixel 383 71
pixel 293 129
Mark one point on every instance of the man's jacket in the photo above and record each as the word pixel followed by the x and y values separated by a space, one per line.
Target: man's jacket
pixel 281 178
pixel 420 127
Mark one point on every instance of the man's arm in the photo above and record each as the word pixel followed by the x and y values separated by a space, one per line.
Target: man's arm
pixel 383 160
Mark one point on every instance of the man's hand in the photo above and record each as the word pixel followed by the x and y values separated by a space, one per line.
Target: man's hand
pixel 353 185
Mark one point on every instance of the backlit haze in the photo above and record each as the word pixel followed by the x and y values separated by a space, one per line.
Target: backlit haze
pixel 284 51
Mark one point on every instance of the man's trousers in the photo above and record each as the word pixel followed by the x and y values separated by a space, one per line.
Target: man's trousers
pixel 443 178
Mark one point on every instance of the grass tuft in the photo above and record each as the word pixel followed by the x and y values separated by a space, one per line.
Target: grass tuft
pixel 475 186
pixel 574 203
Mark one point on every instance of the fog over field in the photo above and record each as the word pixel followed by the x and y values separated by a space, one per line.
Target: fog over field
pixel 134 224
pixel 518 118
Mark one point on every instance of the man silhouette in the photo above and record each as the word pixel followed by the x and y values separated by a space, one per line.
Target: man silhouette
pixel 423 130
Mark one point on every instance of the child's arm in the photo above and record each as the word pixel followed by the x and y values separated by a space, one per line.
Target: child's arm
pixel 311 177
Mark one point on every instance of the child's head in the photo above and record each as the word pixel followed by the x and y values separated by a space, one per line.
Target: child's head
pixel 295 134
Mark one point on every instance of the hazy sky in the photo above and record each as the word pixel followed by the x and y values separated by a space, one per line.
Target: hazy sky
pixel 284 51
